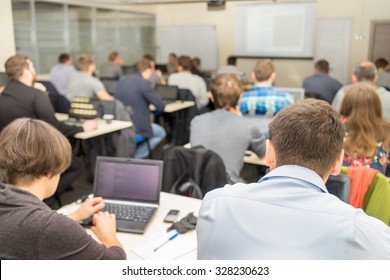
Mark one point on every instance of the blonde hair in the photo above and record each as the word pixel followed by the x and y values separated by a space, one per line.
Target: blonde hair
pixel 263 70
pixel 85 61
pixel 366 126
pixel 226 90
pixel 30 149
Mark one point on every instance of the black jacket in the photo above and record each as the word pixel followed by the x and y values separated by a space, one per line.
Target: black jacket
pixel 205 167
pixel 19 100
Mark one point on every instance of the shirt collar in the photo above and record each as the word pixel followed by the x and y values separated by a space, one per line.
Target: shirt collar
pixel 297 172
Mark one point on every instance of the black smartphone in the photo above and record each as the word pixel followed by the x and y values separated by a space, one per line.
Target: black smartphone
pixel 171 216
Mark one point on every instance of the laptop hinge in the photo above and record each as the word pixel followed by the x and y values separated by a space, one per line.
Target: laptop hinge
pixel 130 203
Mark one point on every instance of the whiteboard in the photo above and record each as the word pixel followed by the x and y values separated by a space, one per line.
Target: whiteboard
pixel 333 43
pixel 194 41
pixel 275 30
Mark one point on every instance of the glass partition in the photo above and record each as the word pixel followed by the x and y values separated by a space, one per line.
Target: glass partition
pixel 43 30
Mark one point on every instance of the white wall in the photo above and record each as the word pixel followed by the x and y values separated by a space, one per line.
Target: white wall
pixel 289 72
pixel 7 46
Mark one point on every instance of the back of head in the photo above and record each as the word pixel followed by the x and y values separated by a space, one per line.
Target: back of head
pixel 185 62
pixel 381 63
pixel 195 62
pixel 30 149
pixel 85 61
pixel 112 56
pixel 365 71
pixel 263 70
pixel 226 90
pixel 362 109
pixel 149 57
pixel 64 57
pixel 309 134
pixel 231 60
pixel 143 64
pixel 322 66
pixel 15 65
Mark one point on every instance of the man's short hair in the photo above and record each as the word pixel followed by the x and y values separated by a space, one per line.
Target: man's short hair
pixel 231 60
pixel 226 90
pixel 381 63
pixel 64 57
pixel 15 65
pixel 31 149
pixel 173 55
pixel 365 71
pixel 85 61
pixel 113 55
pixel 143 64
pixel 185 62
pixel 308 133
pixel 322 66
pixel 263 70
pixel 149 57
pixel 195 62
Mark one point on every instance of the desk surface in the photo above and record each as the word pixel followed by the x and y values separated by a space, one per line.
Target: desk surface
pixel 175 106
pixel 103 127
pixel 156 226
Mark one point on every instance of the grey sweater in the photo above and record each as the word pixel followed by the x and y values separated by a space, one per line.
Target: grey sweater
pixel 228 135
pixel 31 230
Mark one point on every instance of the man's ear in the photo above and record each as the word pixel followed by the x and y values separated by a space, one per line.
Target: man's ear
pixel 354 79
pixel 272 78
pixel 270 158
pixel 337 166
pixel 253 76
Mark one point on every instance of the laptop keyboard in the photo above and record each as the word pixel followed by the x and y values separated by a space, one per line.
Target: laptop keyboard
pixel 130 212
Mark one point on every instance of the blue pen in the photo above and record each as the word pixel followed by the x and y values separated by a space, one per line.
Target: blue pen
pixel 169 239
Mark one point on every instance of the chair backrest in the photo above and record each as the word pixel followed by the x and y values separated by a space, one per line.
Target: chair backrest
pixel 59 102
pixel 314 95
pixel 339 186
pixel 192 167
pixel 110 84
pixel 190 113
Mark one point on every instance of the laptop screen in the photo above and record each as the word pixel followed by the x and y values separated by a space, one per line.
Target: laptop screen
pixel 128 179
pixel 167 92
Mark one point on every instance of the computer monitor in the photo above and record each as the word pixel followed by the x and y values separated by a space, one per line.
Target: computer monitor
pixel 162 68
pixel 297 93
pixel 3 78
pixel 339 186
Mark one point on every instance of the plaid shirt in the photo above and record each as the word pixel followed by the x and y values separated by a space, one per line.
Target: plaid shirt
pixel 263 99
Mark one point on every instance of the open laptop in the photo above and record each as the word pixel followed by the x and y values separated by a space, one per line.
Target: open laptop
pixel 168 94
pixel 297 93
pixel 130 189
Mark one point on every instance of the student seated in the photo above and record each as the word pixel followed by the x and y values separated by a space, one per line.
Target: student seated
pixel 136 91
pixel 224 130
pixel 83 84
pixel 263 99
pixel 33 154
pixel 367 140
pixel 289 213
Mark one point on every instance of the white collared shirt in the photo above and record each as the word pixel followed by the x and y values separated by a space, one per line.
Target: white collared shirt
pixel 289 214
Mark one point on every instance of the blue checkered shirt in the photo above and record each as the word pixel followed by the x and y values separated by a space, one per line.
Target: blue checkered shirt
pixel 261 100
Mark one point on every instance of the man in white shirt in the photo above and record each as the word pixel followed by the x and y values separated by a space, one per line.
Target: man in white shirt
pixel 289 213
pixel 186 80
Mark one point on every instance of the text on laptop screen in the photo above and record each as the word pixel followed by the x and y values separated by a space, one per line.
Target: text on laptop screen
pixel 121 180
